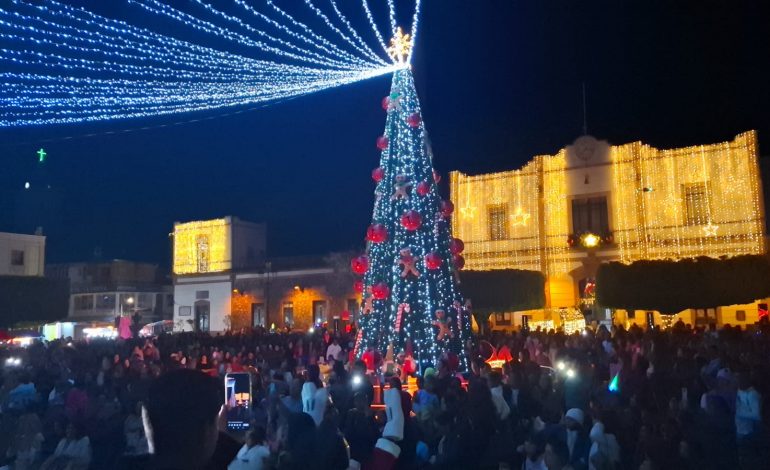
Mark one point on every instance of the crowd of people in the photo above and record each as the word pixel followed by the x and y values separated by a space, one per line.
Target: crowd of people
pixel 602 399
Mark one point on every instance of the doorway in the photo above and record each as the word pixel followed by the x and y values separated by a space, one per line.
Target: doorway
pixel 202 316
pixel 258 315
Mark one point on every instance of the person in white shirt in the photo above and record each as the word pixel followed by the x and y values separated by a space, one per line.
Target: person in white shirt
pixel 748 415
pixel 495 387
pixel 72 453
pixel 333 350
pixel 253 454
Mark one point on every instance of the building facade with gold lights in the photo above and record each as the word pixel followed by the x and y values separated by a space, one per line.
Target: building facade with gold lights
pixel 223 281
pixel 592 202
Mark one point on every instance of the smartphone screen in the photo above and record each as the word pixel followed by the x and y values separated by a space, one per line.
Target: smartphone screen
pixel 238 400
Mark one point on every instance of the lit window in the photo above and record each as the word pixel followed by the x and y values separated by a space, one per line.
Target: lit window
pixel 590 216
pixel 497 216
pixel 17 257
pixel 696 204
pixel 288 313
pixel 202 243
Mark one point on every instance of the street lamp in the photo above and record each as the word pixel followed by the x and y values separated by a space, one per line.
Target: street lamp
pixel 130 302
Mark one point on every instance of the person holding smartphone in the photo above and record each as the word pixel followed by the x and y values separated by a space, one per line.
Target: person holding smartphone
pixel 184 420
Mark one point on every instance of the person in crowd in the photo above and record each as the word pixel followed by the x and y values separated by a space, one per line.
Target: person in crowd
pixel 494 381
pixel 183 417
pixel 133 431
pixel 533 450
pixel 26 446
pixel 572 433
pixel 361 430
pixel 334 351
pixel 72 453
pixel 293 401
pixel 676 398
pixel 254 452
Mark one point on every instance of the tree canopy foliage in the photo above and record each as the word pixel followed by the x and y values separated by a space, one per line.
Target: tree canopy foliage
pixel 32 299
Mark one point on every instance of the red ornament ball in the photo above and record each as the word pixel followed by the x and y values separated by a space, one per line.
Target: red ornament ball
pixel 458 261
pixel 382 142
pixel 377 233
pixel 411 220
pixel 423 188
pixel 414 120
pixel 380 291
pixel 359 264
pixel 378 174
pixel 456 246
pixel 358 286
pixel 447 208
pixel 432 260
pixel 386 103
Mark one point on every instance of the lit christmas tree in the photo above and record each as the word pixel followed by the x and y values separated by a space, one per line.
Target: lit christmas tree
pixel 410 296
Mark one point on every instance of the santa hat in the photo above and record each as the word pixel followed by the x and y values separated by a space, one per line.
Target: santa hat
pixel 394 428
pixel 384 457
pixel 314 401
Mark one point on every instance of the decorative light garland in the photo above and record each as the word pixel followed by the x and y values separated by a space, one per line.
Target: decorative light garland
pixel 66 64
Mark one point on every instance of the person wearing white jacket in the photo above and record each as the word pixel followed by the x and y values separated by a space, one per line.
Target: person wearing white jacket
pixel 253 454
pixel 314 401
pixel 605 451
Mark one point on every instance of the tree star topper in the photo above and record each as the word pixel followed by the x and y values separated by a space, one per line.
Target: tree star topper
pixel 400 47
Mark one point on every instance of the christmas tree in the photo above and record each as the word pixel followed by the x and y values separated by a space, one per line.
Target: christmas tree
pixel 409 285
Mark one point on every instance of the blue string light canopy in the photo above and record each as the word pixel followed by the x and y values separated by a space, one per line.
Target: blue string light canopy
pixel 61 63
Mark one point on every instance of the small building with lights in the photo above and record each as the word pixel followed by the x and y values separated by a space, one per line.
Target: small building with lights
pixel 101 291
pixel 593 202
pixel 223 281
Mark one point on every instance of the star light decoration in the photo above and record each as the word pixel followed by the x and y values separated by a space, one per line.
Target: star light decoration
pixel 710 229
pixel 400 47
pixel 468 212
pixel 519 218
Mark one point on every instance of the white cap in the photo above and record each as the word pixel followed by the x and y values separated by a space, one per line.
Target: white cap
pixel 576 414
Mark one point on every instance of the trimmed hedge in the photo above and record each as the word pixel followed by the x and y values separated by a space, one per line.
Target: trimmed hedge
pixel 672 286
pixel 503 290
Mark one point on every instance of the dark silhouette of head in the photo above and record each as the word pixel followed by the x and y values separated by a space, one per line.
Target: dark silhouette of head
pixel 181 418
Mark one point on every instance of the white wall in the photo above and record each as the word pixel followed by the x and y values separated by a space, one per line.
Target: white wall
pixel 33 247
pixel 220 290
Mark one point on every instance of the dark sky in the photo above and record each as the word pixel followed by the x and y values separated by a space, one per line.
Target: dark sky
pixel 500 81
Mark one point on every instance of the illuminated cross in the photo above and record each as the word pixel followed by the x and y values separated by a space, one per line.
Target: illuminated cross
pixel 400 46
pixel 519 217
pixel 41 155
pixel 710 229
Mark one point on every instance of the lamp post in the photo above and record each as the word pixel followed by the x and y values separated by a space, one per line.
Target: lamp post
pixel 130 302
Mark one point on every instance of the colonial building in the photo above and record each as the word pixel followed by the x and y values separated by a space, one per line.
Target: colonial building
pixel 22 254
pixel 223 281
pixel 101 291
pixel 592 202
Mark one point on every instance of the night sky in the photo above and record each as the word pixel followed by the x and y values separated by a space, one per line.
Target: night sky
pixel 500 81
